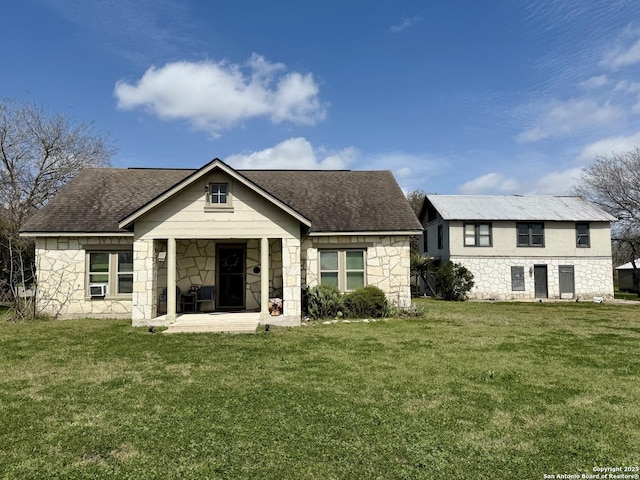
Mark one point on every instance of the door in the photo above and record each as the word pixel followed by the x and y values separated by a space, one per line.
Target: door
pixel 567 281
pixel 540 281
pixel 230 291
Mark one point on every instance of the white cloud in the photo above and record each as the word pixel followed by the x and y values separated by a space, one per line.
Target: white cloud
pixel 489 183
pixel 607 146
pixel 626 86
pixel 412 171
pixel 564 118
pixel 556 183
pixel 215 96
pixel 623 55
pixel 405 23
pixel 594 82
pixel 295 153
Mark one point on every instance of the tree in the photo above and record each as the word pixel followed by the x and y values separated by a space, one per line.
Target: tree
pixel 613 183
pixel 40 152
pixel 453 281
pixel 415 198
pixel 422 266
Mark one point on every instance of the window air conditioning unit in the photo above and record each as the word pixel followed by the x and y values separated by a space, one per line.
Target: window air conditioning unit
pixel 98 290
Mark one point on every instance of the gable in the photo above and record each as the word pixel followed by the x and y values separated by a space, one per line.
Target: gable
pixel 190 212
pixel 199 176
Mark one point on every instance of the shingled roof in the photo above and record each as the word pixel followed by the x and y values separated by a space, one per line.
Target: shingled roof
pixel 335 201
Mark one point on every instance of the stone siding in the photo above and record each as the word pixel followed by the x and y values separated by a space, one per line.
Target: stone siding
pixel 387 262
pixel 195 265
pixel 61 273
pixel 144 280
pixel 492 277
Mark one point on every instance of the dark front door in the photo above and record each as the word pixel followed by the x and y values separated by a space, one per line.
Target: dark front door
pixel 231 277
pixel 540 280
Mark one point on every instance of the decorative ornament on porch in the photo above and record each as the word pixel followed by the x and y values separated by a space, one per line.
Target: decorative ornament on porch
pixel 275 306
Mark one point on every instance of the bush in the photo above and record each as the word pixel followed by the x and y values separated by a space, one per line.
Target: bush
pixel 367 301
pixel 453 281
pixel 323 301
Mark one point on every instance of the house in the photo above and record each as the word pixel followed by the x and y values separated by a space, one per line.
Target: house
pixel 522 247
pixel 625 276
pixel 144 243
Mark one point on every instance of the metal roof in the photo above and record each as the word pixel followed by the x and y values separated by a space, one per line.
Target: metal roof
pixel 629 266
pixel 518 207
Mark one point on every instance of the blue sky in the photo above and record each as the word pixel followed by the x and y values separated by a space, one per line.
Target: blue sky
pixel 487 97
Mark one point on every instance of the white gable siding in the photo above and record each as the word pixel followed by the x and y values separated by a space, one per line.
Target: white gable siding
pixel 186 215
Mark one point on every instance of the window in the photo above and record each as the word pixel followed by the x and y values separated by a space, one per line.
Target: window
pixel 125 272
pixel 218 193
pixel 517 279
pixel 530 234
pixel 344 269
pixel 112 269
pixel 582 235
pixel 477 235
pixel 440 237
pixel 425 241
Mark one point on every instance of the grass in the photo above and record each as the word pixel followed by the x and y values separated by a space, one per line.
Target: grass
pixel 471 390
pixel 626 296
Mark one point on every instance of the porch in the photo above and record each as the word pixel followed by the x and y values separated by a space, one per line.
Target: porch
pixel 200 282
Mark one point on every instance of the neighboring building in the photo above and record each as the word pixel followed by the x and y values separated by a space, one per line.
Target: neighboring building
pixel 133 242
pixel 522 247
pixel 625 277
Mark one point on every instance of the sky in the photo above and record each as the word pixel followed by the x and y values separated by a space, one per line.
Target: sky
pixel 452 96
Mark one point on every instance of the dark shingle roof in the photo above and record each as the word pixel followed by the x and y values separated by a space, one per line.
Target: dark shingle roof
pixel 335 201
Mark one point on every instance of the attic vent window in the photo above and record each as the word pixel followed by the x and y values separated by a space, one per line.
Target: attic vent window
pixel 218 193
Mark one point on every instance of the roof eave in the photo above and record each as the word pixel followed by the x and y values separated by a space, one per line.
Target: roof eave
pixel 34 234
pixel 324 233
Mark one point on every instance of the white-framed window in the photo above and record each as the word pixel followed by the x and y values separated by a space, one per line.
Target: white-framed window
pixel 477 235
pixel 344 269
pixel 219 196
pixel 109 272
pixel 219 193
pixel 125 272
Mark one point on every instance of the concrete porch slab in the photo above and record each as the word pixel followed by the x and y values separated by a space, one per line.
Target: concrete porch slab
pixel 242 322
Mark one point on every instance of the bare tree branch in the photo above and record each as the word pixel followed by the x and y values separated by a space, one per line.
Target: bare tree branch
pixel 613 183
pixel 40 152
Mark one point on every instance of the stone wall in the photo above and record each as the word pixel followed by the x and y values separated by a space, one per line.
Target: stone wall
pixel 61 279
pixel 492 276
pixel 144 281
pixel 387 262
pixel 196 262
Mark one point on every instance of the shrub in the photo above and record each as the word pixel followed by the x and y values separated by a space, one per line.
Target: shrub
pixel 453 281
pixel 323 301
pixel 367 301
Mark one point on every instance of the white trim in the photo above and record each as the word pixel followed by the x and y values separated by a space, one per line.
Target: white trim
pixel 76 234
pixel 363 234
pixel 131 218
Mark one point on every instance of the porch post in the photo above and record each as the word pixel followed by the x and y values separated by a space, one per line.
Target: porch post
pixel 171 279
pixel 264 277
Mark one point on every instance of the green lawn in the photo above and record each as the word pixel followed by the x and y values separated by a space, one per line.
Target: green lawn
pixel 471 390
pixel 626 296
